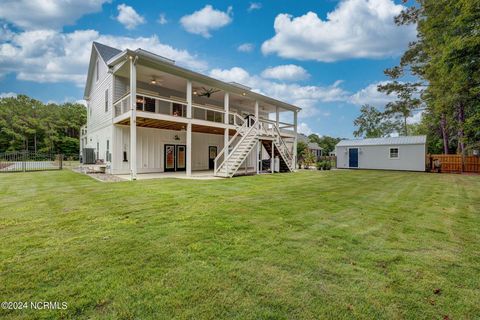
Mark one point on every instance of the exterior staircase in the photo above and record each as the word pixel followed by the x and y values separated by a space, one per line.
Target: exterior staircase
pixel 244 142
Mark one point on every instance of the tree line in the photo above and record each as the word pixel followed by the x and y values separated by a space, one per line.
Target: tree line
pixel 444 62
pixel 29 124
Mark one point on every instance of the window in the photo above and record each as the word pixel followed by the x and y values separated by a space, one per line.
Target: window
pixel 106 100
pixel 394 153
pixel 97 72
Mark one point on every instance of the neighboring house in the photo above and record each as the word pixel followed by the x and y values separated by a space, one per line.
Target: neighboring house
pixel 146 114
pixel 397 153
pixel 315 149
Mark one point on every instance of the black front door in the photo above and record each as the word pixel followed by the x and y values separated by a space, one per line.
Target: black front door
pixel 212 154
pixel 169 158
pixel 180 156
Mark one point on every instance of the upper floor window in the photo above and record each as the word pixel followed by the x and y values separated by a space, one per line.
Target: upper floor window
pixel 106 100
pixel 394 153
pixel 97 72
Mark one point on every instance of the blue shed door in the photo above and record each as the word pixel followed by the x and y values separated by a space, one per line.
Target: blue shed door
pixel 353 158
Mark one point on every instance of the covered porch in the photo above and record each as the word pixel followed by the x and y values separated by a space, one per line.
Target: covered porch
pixel 154 94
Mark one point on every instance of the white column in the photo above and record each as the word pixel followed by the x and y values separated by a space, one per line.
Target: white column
pixel 189 99
pixel 226 137
pixel 272 159
pixel 277 116
pixel 257 160
pixel 133 119
pixel 295 126
pixel 189 149
pixel 189 129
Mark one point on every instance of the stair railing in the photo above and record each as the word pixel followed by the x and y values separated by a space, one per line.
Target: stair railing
pixel 284 148
pixel 249 130
pixel 222 152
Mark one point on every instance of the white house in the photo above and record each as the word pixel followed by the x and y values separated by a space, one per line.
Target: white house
pixel 147 114
pixel 396 153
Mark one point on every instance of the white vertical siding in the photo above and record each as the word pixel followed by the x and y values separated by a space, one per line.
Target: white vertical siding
pixel 150 148
pixel 411 157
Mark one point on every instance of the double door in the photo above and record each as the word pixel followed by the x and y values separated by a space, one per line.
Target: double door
pixel 175 157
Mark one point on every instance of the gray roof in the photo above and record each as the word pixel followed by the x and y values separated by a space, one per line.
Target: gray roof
pixel 383 141
pixel 106 52
pixel 314 146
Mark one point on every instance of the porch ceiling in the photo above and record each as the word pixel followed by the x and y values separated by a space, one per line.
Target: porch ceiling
pixel 146 74
pixel 170 125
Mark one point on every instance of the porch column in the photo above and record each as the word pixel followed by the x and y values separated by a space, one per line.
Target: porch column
pixel 257 161
pixel 226 137
pixel 189 99
pixel 189 150
pixel 295 126
pixel 277 116
pixel 133 119
pixel 272 159
pixel 189 129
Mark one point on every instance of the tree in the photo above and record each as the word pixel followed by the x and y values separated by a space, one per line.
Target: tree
pixel 28 124
pixel 445 60
pixel 325 142
pixel 373 123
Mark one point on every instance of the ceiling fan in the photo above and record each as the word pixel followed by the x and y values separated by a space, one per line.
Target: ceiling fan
pixel 206 92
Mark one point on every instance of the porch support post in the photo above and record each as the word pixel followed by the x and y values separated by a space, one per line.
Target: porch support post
pixel 277 116
pixel 257 160
pixel 295 126
pixel 189 149
pixel 189 99
pixel 226 137
pixel 272 159
pixel 133 119
pixel 189 129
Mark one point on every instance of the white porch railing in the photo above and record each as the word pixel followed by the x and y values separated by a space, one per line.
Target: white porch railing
pixel 174 107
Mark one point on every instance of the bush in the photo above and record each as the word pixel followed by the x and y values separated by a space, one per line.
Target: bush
pixel 324 165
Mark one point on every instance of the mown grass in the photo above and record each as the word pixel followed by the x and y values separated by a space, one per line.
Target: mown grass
pixel 309 245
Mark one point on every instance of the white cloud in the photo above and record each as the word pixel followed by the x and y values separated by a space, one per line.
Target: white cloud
pixel 304 128
pixel 52 56
pixel 129 17
pixel 245 47
pixel 355 29
pixel 33 14
pixel 416 118
pixel 370 95
pixel 306 97
pixel 162 19
pixel 8 95
pixel 254 6
pixel 288 72
pixel 205 20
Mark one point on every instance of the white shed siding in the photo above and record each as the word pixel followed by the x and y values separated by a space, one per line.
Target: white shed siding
pixel 411 157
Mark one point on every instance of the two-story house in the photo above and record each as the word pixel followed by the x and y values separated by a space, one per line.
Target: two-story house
pixel 146 114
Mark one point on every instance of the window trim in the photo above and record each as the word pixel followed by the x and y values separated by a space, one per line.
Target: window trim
pixel 390 153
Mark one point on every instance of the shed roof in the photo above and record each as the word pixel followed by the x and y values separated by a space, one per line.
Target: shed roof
pixel 383 141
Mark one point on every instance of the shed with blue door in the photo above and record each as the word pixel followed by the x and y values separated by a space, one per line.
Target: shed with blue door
pixel 393 153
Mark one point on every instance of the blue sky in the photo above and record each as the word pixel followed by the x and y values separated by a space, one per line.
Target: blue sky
pixel 325 56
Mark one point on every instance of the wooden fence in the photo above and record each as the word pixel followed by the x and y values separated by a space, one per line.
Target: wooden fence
pixel 452 163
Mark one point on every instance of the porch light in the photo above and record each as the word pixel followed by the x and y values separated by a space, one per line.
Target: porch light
pixel 153 81
pixel 244 94
pixel 195 92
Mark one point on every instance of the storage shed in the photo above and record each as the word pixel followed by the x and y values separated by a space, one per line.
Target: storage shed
pixel 395 153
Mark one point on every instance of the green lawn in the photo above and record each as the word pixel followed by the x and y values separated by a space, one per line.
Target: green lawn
pixel 309 245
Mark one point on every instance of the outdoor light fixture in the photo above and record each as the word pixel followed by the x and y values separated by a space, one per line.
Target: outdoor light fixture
pixel 195 92
pixel 153 81
pixel 244 94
